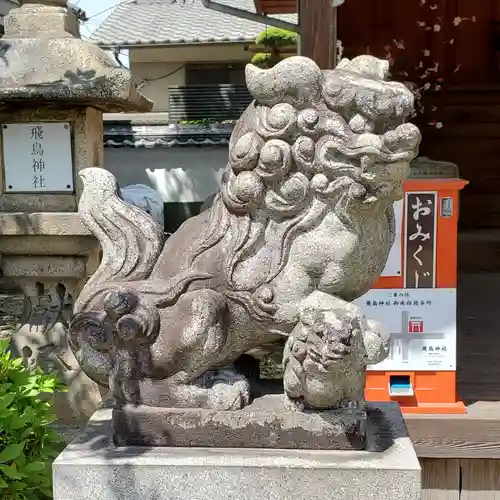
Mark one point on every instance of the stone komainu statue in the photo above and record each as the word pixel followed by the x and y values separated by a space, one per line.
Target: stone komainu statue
pixel 302 225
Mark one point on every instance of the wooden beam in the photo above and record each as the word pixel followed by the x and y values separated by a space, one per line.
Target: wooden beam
pixel 472 436
pixel 318 35
pixel 283 49
pixel 271 7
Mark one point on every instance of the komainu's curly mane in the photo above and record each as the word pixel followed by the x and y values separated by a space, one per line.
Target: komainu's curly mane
pixel 310 144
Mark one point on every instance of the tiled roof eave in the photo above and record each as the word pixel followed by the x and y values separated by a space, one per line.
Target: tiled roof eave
pixel 150 135
pixel 162 142
pixel 167 43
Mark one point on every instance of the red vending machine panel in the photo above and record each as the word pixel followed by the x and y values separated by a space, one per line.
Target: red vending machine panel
pixel 415 298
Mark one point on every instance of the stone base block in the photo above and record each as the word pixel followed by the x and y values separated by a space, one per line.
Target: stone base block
pixel 92 468
pixel 264 424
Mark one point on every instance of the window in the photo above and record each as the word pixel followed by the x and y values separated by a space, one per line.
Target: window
pixel 214 74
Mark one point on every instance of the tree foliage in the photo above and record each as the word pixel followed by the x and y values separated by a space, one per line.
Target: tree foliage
pixel 274 40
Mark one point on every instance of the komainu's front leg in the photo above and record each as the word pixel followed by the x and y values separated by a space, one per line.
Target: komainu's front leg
pixel 217 390
pixel 376 339
pixel 325 357
pixel 377 342
pixel 190 345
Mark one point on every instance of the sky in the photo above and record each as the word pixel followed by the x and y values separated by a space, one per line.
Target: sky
pixel 97 11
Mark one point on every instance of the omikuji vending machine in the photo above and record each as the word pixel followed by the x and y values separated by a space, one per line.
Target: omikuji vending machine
pixel 416 296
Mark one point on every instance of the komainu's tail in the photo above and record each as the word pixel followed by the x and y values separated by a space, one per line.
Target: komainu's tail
pixel 131 240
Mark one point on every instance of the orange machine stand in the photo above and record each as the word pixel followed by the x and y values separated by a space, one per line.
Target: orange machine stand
pixel 433 391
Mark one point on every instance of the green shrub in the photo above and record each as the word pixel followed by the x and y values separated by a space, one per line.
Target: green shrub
pixel 202 121
pixel 263 60
pixel 27 445
pixel 275 40
pixel 273 36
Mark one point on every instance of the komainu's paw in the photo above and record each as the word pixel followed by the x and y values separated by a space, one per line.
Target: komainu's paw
pixel 350 404
pixel 230 397
pixel 293 404
pixel 229 391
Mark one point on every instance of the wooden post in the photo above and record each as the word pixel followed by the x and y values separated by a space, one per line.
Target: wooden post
pixel 318 38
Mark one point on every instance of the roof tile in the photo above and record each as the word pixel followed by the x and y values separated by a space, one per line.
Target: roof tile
pixel 139 22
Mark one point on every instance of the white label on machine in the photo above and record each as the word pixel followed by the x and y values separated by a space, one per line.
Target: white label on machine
pixel 422 323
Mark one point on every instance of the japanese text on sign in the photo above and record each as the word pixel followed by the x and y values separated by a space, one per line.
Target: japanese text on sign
pixel 37 157
pixel 38 163
pixel 420 240
pixel 422 324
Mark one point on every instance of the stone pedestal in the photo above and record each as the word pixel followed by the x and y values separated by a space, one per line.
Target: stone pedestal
pixel 52 80
pixel 46 257
pixel 265 423
pixel 91 468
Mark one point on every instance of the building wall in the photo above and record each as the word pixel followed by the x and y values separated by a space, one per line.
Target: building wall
pixel 183 176
pixel 470 137
pixel 159 67
pixel 154 79
pixel 192 53
pixel 444 29
pixel 5 7
pixel 467 58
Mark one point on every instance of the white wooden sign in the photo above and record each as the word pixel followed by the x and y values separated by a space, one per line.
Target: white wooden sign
pixel 37 157
pixel 394 261
pixel 422 323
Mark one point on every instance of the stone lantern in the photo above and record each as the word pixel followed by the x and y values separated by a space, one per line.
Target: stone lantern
pixel 54 88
